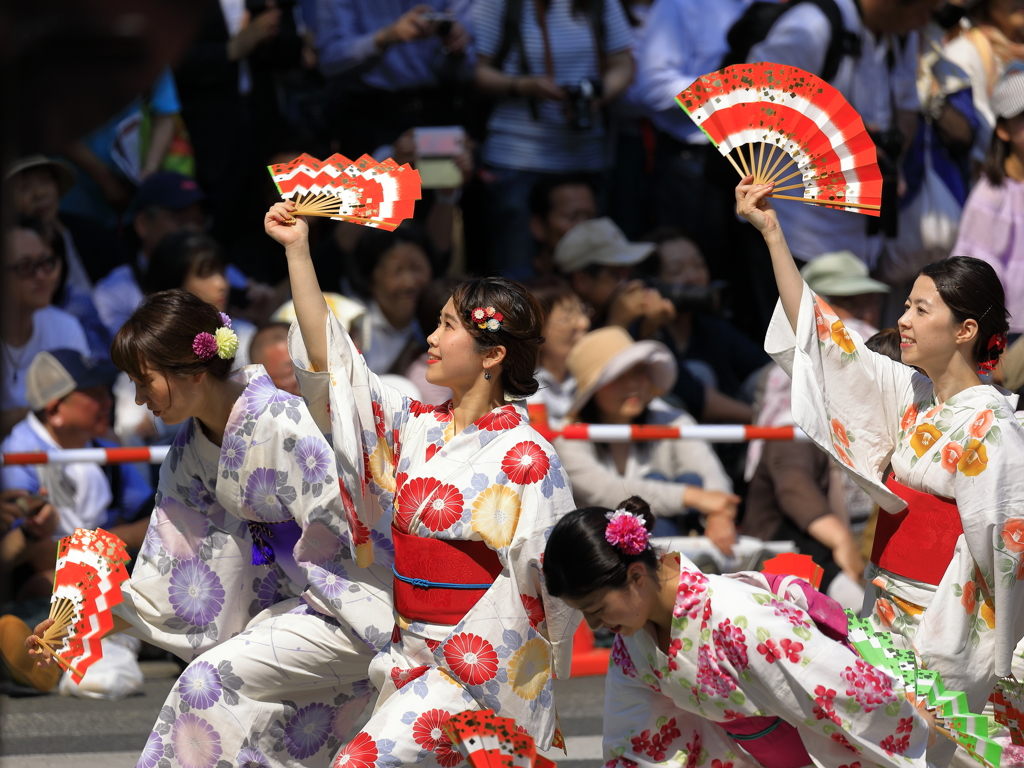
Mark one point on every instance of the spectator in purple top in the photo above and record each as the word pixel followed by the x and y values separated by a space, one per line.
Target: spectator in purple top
pixel 992 226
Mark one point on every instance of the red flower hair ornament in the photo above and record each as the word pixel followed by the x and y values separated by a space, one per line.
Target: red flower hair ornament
pixel 486 318
pixel 626 532
pixel 998 341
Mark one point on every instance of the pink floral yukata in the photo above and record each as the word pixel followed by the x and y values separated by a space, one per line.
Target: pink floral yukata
pixel 738 651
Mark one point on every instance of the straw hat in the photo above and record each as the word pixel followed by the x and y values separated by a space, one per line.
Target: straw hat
pixel 603 355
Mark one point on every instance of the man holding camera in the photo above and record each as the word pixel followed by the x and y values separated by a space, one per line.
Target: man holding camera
pixel 551 69
pixel 392 65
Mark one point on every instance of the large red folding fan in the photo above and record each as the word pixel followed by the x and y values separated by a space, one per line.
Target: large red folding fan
pixel 89 572
pixel 803 130
pixel 363 191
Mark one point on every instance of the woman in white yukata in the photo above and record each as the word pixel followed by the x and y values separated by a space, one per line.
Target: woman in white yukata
pixel 468 493
pixel 722 670
pixel 947 567
pixel 246 570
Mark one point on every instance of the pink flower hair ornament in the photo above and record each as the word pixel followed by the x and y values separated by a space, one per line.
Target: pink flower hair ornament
pixel 627 532
pixel 486 318
pixel 204 345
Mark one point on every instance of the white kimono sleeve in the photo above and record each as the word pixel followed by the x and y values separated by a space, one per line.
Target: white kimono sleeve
pixel 847 399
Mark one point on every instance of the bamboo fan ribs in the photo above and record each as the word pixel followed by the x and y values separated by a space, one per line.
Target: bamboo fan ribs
pixel 89 573
pixel 780 124
pixel 365 192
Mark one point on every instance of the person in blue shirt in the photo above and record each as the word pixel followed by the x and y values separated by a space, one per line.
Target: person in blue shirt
pixel 393 65
pixel 70 402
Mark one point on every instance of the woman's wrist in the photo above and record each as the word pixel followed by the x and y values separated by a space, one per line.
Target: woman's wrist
pixel 514 91
pixel 299 250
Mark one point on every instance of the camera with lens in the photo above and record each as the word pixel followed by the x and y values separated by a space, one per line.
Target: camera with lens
pixel 692 298
pixel 579 103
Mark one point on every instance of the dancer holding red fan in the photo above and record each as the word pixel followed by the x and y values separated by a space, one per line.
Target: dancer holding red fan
pixel 245 571
pixel 472 492
pixel 947 568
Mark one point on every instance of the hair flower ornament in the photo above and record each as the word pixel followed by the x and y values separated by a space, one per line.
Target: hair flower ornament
pixel 204 345
pixel 227 343
pixel 487 318
pixel 997 341
pixel 223 343
pixel 224 320
pixel 626 532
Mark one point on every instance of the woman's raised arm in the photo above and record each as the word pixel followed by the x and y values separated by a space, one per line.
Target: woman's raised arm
pixel 752 204
pixel 310 308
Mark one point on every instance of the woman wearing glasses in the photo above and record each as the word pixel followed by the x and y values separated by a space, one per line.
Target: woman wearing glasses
pixel 29 323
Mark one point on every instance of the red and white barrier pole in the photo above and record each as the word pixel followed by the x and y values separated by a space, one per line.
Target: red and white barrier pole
pixel 602 433
pixel 638 433
pixel 152 455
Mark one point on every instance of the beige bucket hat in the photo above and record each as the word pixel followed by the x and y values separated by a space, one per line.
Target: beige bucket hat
pixel 603 355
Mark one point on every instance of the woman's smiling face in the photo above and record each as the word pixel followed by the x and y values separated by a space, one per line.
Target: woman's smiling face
pixel 452 358
pixel 928 335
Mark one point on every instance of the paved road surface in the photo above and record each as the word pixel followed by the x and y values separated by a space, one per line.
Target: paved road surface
pixel 56 732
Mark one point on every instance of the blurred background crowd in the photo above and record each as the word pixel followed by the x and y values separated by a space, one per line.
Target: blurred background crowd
pixel 552 151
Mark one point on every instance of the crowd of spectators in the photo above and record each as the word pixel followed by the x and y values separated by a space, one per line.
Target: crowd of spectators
pixel 574 171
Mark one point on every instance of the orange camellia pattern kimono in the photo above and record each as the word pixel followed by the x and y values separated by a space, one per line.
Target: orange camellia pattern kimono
pixel 948 578
pixel 483 633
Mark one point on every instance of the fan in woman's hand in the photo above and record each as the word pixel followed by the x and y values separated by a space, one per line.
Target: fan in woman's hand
pixel 89 572
pixel 781 124
pixel 489 741
pixel 365 192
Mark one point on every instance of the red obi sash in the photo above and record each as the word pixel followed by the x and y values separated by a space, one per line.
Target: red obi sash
pixel 438 581
pixel 771 741
pixel 918 542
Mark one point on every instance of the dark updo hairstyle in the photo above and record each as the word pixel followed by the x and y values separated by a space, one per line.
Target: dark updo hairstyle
pixel 179 255
pixel 578 560
pixel 520 332
pixel 159 335
pixel 972 291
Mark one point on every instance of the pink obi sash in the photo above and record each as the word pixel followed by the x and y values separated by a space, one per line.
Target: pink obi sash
pixel 439 581
pixel 918 542
pixel 771 741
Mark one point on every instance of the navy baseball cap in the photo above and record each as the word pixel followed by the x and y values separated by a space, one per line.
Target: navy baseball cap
pixel 168 190
pixel 57 373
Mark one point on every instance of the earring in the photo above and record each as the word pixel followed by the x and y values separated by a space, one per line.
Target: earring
pixel 487 375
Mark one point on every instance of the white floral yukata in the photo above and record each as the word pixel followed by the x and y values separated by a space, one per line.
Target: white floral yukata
pixel 279 653
pixel 497 481
pixel 867 411
pixel 737 651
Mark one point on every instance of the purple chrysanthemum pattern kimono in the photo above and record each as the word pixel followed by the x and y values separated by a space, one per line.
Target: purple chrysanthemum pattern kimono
pixel 279 652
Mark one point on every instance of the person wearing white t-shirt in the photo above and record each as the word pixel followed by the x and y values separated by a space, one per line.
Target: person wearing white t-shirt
pixel 875 84
pixel 30 324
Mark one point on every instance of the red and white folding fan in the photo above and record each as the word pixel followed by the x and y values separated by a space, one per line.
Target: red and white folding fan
pixel 87 585
pixel 802 128
pixel 489 741
pixel 366 192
